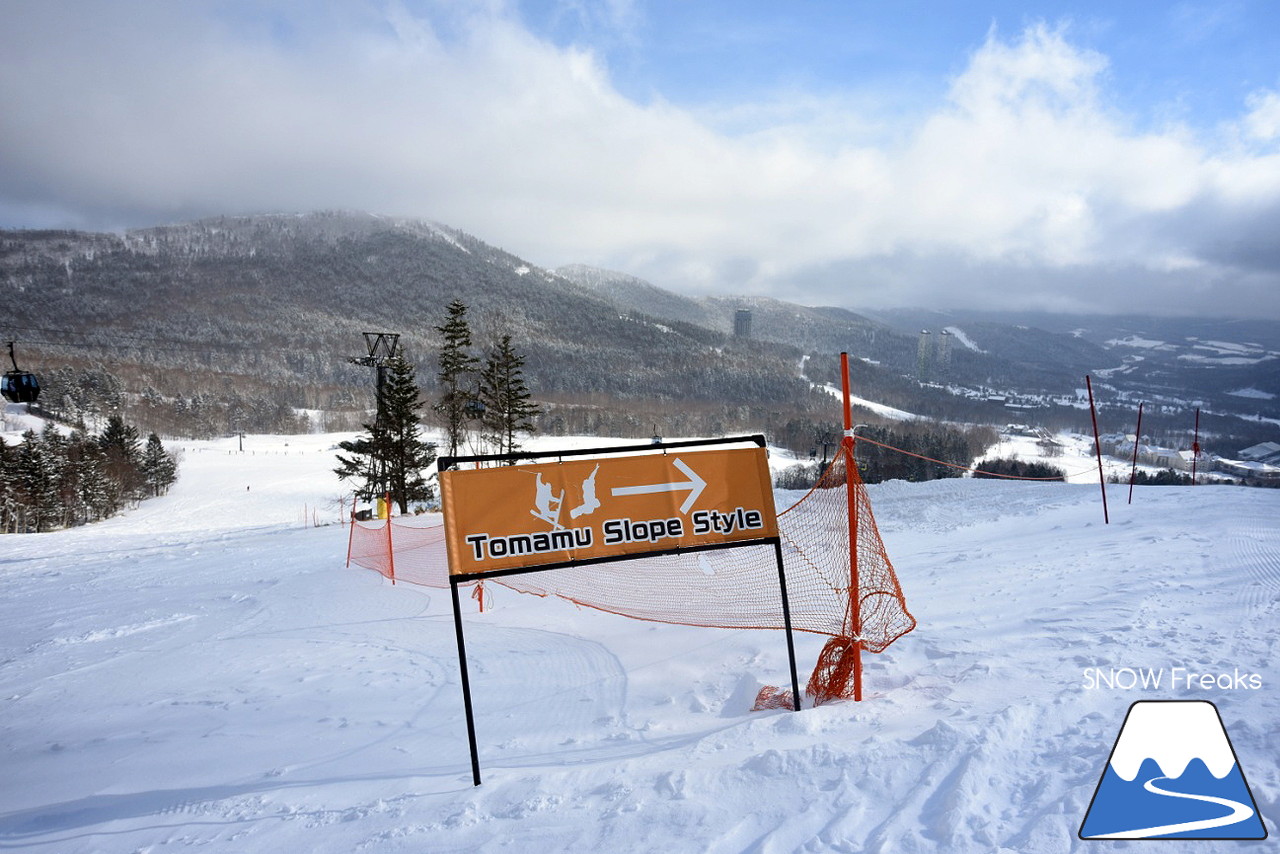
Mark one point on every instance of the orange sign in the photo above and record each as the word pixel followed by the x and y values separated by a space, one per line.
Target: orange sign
pixel 587 509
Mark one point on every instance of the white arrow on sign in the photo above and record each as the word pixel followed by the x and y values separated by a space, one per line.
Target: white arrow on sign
pixel 694 484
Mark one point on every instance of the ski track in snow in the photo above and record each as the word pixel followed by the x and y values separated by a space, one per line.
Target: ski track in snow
pixel 1256 549
pixel 204 672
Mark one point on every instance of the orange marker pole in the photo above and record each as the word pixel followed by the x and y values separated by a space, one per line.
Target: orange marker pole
pixel 855 601
pixel 391 552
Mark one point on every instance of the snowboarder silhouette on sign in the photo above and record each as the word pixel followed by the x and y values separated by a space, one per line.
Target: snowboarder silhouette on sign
pixel 590 503
pixel 547 504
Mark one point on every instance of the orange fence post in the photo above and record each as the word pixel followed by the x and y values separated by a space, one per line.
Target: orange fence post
pixel 351 534
pixel 391 552
pixel 855 604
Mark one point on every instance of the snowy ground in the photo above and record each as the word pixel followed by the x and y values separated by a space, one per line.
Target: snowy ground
pixel 1077 458
pixel 205 672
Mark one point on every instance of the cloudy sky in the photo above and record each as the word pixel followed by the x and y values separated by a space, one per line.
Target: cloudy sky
pixel 1091 156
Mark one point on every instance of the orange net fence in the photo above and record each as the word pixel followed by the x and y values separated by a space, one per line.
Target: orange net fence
pixel 731 588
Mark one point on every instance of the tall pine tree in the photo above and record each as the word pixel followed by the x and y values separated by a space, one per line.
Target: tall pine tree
pixel 120 442
pixel 393 455
pixel 38 483
pixel 95 487
pixel 508 408
pixel 159 468
pixel 456 375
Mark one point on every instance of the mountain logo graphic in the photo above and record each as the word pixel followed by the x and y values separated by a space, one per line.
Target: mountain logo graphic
pixel 1173 774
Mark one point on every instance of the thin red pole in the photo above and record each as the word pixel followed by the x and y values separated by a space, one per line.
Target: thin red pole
pixel 1137 440
pixel 351 533
pixel 1097 447
pixel 391 552
pixel 848 448
pixel 1195 448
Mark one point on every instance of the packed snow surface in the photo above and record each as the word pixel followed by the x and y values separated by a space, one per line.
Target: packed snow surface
pixel 204 673
pixel 883 410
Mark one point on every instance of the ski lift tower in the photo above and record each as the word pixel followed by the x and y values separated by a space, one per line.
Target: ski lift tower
pixel 382 347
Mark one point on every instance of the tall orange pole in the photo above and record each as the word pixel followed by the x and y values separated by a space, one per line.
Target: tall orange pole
pixel 855 596
pixel 391 552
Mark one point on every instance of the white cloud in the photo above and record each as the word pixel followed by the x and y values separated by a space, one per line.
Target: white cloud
pixel 1262 123
pixel 145 111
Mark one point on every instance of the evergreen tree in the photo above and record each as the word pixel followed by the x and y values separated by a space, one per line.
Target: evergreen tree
pixel 37 484
pixel 361 464
pixel 457 367
pixel 159 469
pixel 95 487
pixel 508 409
pixel 1018 468
pixel 66 499
pixel 8 486
pixel 392 457
pixel 120 443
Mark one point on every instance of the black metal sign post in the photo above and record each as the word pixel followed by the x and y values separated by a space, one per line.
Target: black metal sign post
pixel 466 683
pixel 455 579
pixel 786 621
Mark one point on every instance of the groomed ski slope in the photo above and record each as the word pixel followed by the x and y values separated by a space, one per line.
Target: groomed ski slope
pixel 203 672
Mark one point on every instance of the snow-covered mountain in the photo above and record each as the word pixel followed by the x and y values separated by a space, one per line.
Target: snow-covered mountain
pixel 270 308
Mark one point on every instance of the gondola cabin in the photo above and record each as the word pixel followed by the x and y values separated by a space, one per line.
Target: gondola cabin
pixel 19 386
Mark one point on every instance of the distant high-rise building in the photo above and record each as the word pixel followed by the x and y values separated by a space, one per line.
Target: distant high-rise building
pixel 923 353
pixel 742 323
pixel 944 352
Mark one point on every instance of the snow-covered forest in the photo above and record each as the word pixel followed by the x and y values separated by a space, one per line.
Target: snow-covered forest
pixel 58 478
pixel 240 324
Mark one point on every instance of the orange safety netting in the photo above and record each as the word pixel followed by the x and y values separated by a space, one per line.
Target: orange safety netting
pixel 731 588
